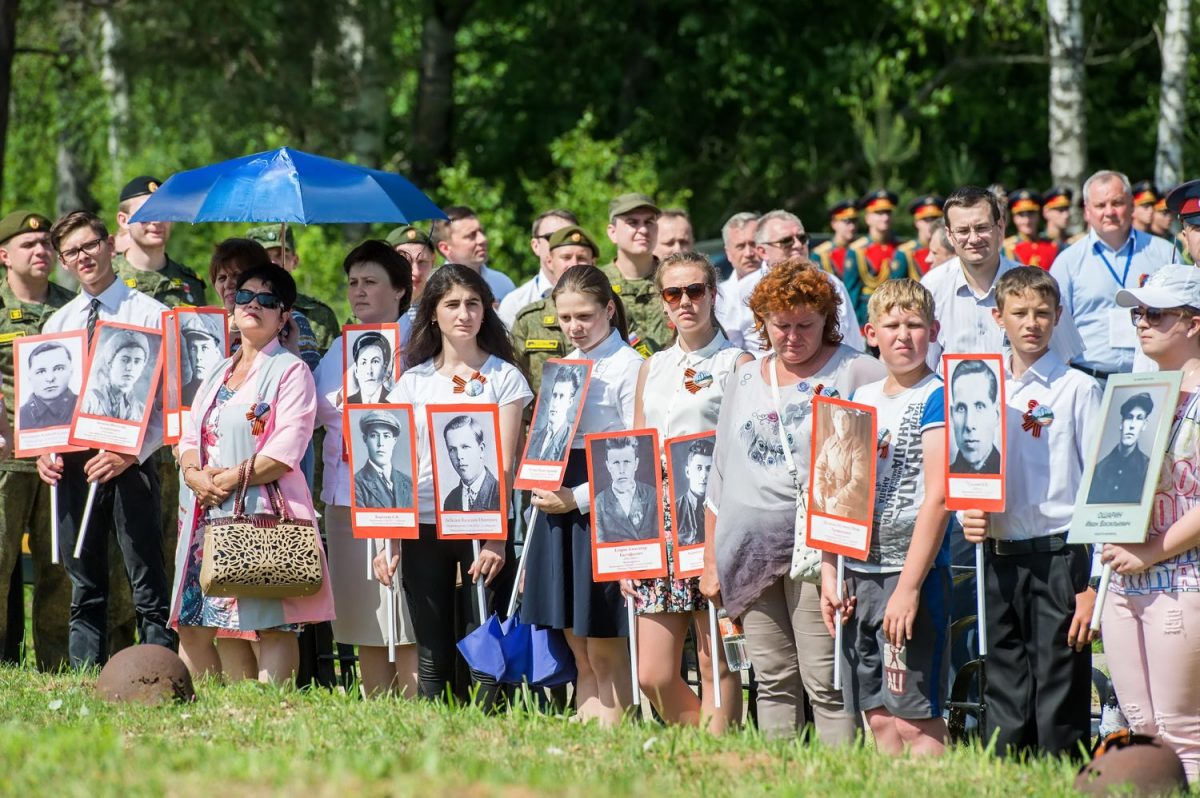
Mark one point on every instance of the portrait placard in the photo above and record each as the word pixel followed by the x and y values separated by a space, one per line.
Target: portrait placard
pixel 689 465
pixel 625 486
pixel 172 412
pixel 124 369
pixel 975 432
pixel 841 479
pixel 468 475
pixel 48 371
pixel 200 338
pixel 555 419
pixel 1122 468
pixel 372 356
pixel 382 445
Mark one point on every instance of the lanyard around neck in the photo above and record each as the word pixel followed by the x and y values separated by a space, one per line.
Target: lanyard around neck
pixel 1098 248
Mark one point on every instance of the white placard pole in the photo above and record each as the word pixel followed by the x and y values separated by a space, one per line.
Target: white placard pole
pixel 1101 594
pixel 87 514
pixel 837 624
pixel 980 601
pixel 516 591
pixel 54 558
pixel 391 602
pixel 714 653
pixel 631 616
pixel 480 594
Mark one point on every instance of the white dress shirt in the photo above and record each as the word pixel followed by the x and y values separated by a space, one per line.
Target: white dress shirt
pixel 740 328
pixel 126 305
pixel 537 288
pixel 967 324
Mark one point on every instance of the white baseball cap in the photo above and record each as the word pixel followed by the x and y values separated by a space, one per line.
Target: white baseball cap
pixel 1175 285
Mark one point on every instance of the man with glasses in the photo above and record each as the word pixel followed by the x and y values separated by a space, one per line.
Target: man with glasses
pixel 872 258
pixel 1112 256
pixel 831 254
pixel 780 236
pixel 144 264
pixel 544 226
pixel 633 229
pixel 27 298
pixel 128 484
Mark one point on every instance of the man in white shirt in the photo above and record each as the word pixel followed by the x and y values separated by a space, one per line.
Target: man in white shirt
pixel 544 226
pixel 779 236
pixel 738 237
pixel 128 484
pixel 460 239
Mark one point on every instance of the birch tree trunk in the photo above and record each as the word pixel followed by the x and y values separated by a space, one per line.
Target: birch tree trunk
pixel 1068 112
pixel 1168 160
pixel 116 91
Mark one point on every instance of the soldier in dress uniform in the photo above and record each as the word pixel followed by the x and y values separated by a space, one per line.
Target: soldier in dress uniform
pixel 1145 197
pixel 535 332
pixel 872 257
pixel 1183 201
pixel 925 210
pixel 1161 226
pixel 633 230
pixel 1028 246
pixel 843 221
pixel 27 299
pixel 1056 211
pixel 144 264
pixel 320 316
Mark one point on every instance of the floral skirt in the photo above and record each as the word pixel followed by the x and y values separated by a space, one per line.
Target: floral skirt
pixel 667 594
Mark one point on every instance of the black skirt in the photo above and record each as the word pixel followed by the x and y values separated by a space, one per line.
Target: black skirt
pixel 559 590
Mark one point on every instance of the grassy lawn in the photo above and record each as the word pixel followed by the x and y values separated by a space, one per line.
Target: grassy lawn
pixel 57 738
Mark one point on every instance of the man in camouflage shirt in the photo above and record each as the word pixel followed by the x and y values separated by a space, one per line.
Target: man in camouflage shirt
pixel 144 265
pixel 633 229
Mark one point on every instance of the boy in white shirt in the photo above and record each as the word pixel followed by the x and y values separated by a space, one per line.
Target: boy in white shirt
pixel 1039 602
pixel 896 644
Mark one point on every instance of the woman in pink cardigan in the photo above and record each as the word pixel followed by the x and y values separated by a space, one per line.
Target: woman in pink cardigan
pixel 260 403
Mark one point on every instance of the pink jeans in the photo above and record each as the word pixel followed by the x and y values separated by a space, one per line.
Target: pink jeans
pixel 1153 648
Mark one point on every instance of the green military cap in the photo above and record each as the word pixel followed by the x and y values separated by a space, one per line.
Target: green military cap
pixel 268 236
pixel 630 202
pixel 140 186
pixel 573 236
pixel 378 418
pixel 22 221
pixel 409 235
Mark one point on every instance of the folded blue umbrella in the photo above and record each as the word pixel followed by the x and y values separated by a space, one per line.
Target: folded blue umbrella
pixel 287 185
pixel 512 652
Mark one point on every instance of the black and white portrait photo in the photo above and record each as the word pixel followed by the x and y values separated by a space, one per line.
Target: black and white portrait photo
pixel 627 505
pixel 468 445
pixel 559 403
pixel 120 383
pixel 974 402
pixel 690 463
pixel 1126 435
pixel 49 374
pixel 382 459
pixel 202 347
pixel 370 365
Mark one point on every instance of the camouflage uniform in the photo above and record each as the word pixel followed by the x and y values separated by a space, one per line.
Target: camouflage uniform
pixel 537 337
pixel 174 285
pixel 648 328
pixel 321 318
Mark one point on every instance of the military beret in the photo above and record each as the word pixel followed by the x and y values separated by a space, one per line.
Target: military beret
pixel 268 236
pixel 22 221
pixel 878 201
pixel 1058 197
pixel 375 417
pixel 1144 193
pixel 1183 201
pixel 409 235
pixel 140 186
pixel 928 206
pixel 842 209
pixel 573 236
pixel 630 202
pixel 1024 200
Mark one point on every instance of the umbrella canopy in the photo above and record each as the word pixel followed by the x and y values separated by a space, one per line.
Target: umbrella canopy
pixel 287 185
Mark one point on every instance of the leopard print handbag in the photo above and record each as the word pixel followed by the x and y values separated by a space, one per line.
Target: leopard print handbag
pixel 260 555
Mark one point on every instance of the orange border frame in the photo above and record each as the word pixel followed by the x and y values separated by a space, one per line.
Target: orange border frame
pixel 482 408
pixel 155 381
pixel 34 340
pixel 544 484
pixel 873 467
pixel 987 505
pixel 171 349
pixel 661 540
pixel 374 532
pixel 176 340
pixel 397 357
pixel 667 446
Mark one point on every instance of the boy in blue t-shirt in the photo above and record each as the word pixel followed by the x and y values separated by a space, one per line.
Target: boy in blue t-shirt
pixel 896 642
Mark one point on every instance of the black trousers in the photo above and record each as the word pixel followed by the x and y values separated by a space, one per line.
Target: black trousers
pixel 430 571
pixel 1039 691
pixel 129 507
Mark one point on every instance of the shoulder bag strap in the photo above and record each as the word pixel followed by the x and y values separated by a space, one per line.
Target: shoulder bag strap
pixel 783 441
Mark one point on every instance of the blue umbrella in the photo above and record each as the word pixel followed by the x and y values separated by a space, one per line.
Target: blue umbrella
pixel 287 185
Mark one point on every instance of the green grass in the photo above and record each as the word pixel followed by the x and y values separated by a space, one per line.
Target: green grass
pixel 57 738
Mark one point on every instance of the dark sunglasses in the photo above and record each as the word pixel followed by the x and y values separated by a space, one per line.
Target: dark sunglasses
pixel 674 294
pixel 798 240
pixel 1154 316
pixel 266 300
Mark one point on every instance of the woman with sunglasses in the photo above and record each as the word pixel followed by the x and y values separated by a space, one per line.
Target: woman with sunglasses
pixel 458 353
pixel 259 405
pixel 754 484
pixel 1154 606
pixel 378 281
pixel 679 392
pixel 559 591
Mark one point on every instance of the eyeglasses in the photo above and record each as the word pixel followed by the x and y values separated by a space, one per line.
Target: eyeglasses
pixel 798 240
pixel 1154 316
pixel 266 300
pixel 71 256
pixel 674 294
pixel 965 233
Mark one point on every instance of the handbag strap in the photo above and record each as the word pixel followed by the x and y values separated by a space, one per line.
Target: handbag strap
pixel 783 438
pixel 245 471
pixel 275 496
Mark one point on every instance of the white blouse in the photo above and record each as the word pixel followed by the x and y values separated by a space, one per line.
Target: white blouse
pixel 675 402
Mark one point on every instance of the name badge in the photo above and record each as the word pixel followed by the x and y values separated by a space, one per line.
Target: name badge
pixel 8 338
pixel 541 345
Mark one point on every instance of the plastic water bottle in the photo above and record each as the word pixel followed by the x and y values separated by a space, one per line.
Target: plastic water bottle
pixel 735 642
